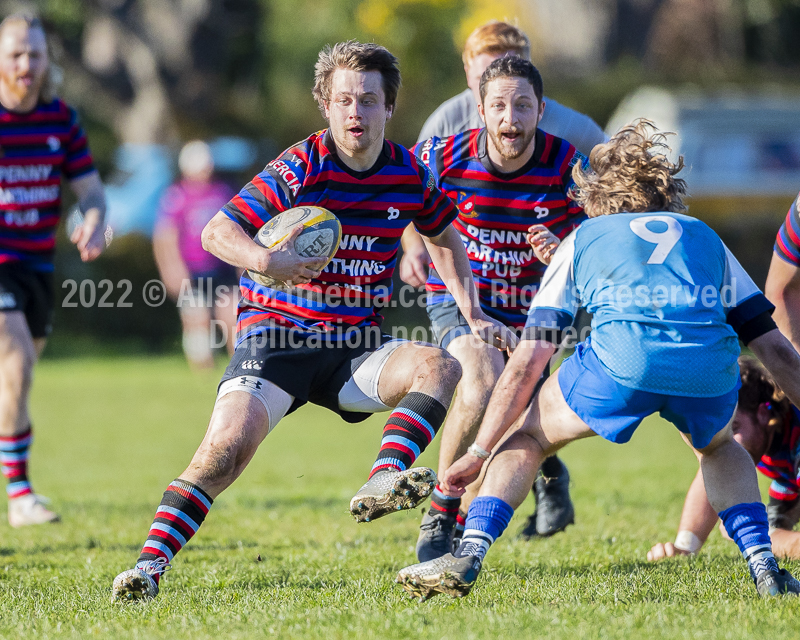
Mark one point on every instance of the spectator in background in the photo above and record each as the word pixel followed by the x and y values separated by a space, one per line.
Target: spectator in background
pixel 40 142
pixel 204 287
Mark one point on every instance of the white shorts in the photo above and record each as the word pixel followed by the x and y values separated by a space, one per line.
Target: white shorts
pixel 359 394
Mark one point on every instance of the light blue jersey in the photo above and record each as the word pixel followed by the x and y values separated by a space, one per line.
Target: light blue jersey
pixel 667 298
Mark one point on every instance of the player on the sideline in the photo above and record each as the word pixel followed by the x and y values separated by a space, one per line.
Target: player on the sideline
pixel 511 182
pixel 41 142
pixel 767 425
pixel 783 280
pixel 488 42
pixel 321 341
pixel 669 301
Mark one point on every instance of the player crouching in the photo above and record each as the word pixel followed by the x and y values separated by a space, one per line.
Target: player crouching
pixel 649 352
pixel 319 340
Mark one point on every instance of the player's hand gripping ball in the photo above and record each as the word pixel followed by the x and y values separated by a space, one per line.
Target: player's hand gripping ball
pixel 319 238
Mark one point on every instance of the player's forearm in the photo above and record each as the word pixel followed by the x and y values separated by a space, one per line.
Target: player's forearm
pixel 513 391
pixel 412 241
pixel 229 242
pixel 785 544
pixel 698 516
pixel 91 198
pixel 451 262
pixel 787 314
pixel 779 357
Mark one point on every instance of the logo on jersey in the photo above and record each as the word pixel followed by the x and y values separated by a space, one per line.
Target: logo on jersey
pixel 579 157
pixel 286 173
pixel 466 204
pixel 54 143
pixel 541 212
pixel 7 301
pixel 252 365
pixel 394 213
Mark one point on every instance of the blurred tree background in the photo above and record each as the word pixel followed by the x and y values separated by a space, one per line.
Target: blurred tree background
pixel 163 71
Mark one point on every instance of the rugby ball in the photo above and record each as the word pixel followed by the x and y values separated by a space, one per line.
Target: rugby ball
pixel 319 238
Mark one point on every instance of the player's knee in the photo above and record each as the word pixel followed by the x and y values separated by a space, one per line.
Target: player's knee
pixel 17 366
pixel 437 363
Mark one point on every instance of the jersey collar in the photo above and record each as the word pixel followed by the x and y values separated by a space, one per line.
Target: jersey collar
pixel 384 157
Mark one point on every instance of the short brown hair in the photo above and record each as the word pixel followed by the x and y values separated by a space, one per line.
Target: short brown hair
pixel 496 37
pixel 355 56
pixel 48 90
pixel 757 388
pixel 630 173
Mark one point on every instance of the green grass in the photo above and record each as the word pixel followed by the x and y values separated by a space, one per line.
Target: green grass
pixel 111 434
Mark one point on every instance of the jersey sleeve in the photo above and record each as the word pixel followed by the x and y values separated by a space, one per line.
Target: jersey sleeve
pixel 556 302
pixel 77 160
pixel 787 242
pixel 574 210
pixel 437 211
pixel 748 310
pixel 272 191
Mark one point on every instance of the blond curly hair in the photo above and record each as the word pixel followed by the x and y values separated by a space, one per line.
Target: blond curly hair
pixel 630 173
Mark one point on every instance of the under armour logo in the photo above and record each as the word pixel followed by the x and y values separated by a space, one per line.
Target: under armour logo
pixel 247 381
pixel 393 213
pixel 541 212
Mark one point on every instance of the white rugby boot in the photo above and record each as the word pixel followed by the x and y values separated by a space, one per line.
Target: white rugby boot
pixel 29 509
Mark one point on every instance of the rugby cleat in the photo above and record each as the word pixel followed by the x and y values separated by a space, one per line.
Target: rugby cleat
pixel 29 509
pixel 554 509
pixel 392 490
pixel 138 583
pixel 447 574
pixel 435 536
pixel 772 584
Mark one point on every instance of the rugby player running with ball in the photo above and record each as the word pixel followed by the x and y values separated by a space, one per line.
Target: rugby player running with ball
pixel 320 340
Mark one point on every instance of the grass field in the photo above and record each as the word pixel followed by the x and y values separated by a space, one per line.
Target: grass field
pixel 280 556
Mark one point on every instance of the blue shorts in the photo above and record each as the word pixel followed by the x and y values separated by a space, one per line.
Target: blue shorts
pixel 614 411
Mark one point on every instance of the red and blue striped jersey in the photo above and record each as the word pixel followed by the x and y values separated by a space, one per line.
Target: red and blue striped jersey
pixel 782 461
pixel 373 206
pixel 36 150
pixel 495 210
pixel 787 242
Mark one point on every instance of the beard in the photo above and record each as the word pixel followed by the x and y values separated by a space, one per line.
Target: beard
pixel 511 150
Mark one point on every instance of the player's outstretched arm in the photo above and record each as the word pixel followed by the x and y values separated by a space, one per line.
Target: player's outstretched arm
pixel 511 396
pixel 777 354
pixel 783 290
pixel 451 262
pixel 89 236
pixel 697 522
pixel 228 241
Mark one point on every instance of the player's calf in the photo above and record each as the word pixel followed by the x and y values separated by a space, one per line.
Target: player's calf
pixel 180 514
